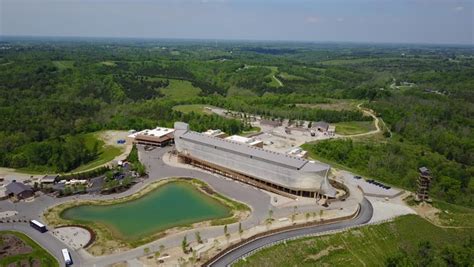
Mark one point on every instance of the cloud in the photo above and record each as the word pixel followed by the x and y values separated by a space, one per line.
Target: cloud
pixel 340 19
pixel 458 8
pixel 313 19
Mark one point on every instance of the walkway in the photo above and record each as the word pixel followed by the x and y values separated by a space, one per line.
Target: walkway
pixel 259 201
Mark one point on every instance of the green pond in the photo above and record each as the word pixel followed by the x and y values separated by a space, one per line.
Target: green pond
pixel 170 205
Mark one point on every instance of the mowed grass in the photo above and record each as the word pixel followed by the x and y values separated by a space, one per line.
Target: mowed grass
pixel 63 64
pixel 38 253
pixel 106 153
pixel 334 104
pixel 274 82
pixel 455 215
pixel 180 89
pixel 290 77
pixel 196 108
pixel 354 127
pixel 365 246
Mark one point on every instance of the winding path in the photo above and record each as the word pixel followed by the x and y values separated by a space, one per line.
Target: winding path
pixel 364 216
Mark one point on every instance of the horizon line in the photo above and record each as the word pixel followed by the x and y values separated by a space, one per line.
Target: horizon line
pixel 229 40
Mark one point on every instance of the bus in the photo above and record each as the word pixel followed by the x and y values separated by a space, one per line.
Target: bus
pixel 66 256
pixel 38 226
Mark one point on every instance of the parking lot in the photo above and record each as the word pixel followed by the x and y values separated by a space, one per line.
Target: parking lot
pixel 370 188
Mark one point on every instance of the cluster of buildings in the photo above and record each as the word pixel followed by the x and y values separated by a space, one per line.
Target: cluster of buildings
pixel 243 159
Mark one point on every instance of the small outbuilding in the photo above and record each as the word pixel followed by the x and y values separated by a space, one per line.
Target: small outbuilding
pixel 321 126
pixel 19 190
pixel 49 179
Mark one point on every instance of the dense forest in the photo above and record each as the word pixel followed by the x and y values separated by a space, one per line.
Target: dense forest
pixel 53 92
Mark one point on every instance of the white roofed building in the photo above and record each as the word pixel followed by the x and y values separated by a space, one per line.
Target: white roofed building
pixel 159 136
pixel 245 140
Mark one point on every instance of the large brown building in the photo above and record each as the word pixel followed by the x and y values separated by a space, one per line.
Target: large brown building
pixel 155 137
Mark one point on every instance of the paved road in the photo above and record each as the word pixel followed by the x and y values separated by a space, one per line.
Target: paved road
pixel 364 216
pixel 46 240
pixel 259 202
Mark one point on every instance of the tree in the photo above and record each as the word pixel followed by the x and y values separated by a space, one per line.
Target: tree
pixel 146 250
pixel 425 253
pixel 198 237
pixel 241 230
pixel 184 244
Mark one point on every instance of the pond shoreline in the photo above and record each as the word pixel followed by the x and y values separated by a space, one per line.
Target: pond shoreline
pixel 108 241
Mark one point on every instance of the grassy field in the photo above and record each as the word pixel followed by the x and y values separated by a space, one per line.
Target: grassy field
pixel 108 63
pixel 180 89
pixel 354 127
pixel 290 77
pixel 454 215
pixel 365 246
pixel 196 108
pixel 275 82
pixel 334 104
pixel 64 64
pixel 106 154
pixel 38 253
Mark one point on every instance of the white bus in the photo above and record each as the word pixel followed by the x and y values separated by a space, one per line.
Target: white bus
pixel 38 226
pixel 66 256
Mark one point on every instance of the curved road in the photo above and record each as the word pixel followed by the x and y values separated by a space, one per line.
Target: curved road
pixel 260 204
pixel 364 216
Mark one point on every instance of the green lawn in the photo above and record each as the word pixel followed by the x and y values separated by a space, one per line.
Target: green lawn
pixel 290 77
pixel 196 108
pixel 334 104
pixel 251 131
pixel 180 89
pixel 107 153
pixel 108 63
pixel 455 215
pixel 63 64
pixel 47 260
pixel 275 82
pixel 365 246
pixel 354 127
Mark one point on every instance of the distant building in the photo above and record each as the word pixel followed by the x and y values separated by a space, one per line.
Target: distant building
pixel 153 137
pixel 424 182
pixel 321 126
pixel 245 140
pixel 271 123
pixel 49 179
pixel 215 133
pixel 298 152
pixel 331 130
pixel 19 190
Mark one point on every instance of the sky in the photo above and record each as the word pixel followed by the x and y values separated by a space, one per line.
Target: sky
pixel 392 21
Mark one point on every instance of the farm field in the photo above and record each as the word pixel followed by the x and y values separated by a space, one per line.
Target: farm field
pixel 354 127
pixel 17 249
pixel 365 246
